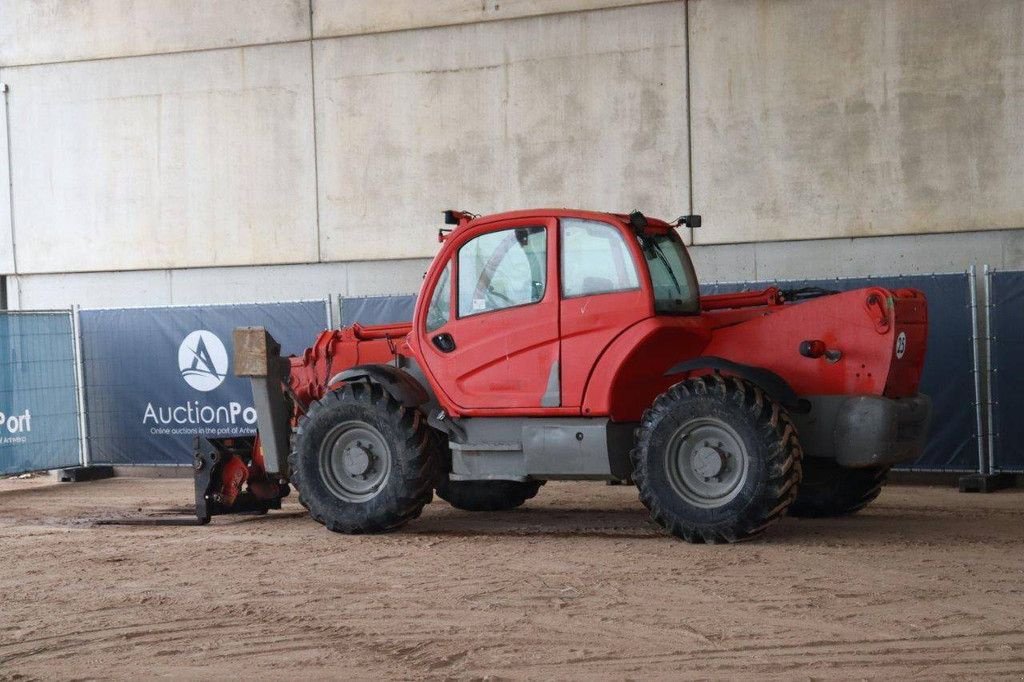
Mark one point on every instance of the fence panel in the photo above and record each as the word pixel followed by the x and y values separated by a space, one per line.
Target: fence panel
pixel 157 377
pixel 39 423
pixel 376 309
pixel 1006 317
pixel 948 370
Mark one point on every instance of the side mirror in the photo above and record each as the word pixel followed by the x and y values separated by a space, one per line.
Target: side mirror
pixel 690 220
pixel 638 221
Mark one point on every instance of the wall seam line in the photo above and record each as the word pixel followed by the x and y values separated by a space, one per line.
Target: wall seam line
pixel 10 184
pixel 689 126
pixel 476 22
pixel 143 55
pixel 316 146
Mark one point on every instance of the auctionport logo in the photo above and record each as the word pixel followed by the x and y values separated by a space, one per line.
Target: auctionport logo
pixel 203 364
pixel 15 427
pixel 203 360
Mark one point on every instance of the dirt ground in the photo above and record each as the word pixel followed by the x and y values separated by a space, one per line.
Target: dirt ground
pixel 926 583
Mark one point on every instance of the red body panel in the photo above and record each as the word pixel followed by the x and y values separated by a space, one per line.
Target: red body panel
pixel 501 364
pixel 589 323
pixel 631 371
pixel 612 351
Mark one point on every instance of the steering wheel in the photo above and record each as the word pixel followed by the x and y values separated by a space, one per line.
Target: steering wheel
pixel 491 292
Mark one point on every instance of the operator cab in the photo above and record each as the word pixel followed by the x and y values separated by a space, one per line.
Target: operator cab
pixel 518 307
pixel 596 262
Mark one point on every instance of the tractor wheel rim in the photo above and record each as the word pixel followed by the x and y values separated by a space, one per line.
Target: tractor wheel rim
pixel 707 462
pixel 355 461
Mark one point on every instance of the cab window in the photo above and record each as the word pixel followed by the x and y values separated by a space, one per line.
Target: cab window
pixel 595 259
pixel 441 302
pixel 502 269
pixel 672 277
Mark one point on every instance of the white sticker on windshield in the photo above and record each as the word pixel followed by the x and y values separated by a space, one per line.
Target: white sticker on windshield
pixel 479 304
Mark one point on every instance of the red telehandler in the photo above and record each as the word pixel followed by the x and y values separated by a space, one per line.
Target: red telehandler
pixel 565 344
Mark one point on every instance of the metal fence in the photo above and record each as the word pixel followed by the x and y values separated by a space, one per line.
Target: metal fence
pixel 135 386
pixel 956 438
pixel 155 378
pixel 1003 338
pixel 39 392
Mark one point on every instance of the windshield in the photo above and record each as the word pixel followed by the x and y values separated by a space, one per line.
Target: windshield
pixel 672 276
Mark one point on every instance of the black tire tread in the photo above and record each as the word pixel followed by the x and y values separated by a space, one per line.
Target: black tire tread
pixel 785 456
pixel 415 452
pixel 487 496
pixel 829 490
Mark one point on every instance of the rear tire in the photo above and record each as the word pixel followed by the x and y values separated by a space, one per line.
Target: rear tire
pixel 830 490
pixel 362 462
pixel 487 495
pixel 716 460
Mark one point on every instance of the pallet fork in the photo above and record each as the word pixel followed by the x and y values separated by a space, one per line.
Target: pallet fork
pixel 222 468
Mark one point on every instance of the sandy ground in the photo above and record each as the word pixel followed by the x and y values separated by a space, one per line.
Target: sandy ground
pixel 927 583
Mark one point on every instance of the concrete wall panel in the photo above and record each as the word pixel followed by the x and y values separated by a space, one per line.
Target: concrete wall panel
pixel 333 18
pixel 294 282
pixel 168 161
pixel 583 109
pixel 92 290
pixel 43 31
pixel 817 258
pixel 200 286
pixel 829 118
pixel 384 279
pixel 860 257
pixel 256 284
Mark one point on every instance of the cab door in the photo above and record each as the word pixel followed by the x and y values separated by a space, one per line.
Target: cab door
pixel 602 295
pixel 497 348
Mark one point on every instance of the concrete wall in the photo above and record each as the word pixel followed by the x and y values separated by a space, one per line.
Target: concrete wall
pixel 197 159
pixel 357 17
pixel 858 257
pixel 196 286
pixel 46 31
pixel 853 257
pixel 828 118
pixel 313 143
pixel 577 109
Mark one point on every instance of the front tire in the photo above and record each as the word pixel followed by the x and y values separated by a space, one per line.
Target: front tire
pixel 829 490
pixel 716 460
pixel 362 462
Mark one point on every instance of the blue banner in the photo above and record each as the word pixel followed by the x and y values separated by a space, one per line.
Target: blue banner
pixel 1007 325
pixel 947 377
pixel 39 423
pixel 155 378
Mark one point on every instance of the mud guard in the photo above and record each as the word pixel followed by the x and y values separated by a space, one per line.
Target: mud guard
pixel 774 385
pixel 399 384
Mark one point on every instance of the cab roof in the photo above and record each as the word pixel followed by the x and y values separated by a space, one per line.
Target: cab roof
pixel 621 218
